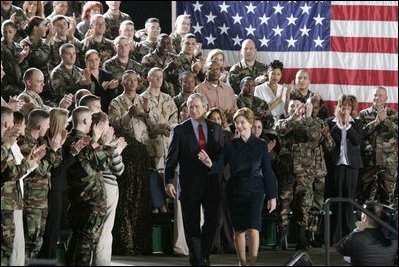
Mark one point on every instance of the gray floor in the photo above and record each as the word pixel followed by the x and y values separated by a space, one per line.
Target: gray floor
pixel 267 257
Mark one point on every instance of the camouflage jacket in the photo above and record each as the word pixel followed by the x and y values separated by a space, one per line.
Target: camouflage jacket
pixel 117 68
pixel 85 180
pixel 113 23
pixel 37 183
pixel 39 55
pixel 64 81
pixel 105 48
pixel 241 70
pixel 260 109
pixel 180 99
pixel 299 140
pixel 119 118
pixel 11 193
pixel 380 143
pixel 324 113
pixel 55 57
pixel 12 83
pixel 145 47
pixel 176 42
pixel 183 64
pixel 162 111
pixel 31 101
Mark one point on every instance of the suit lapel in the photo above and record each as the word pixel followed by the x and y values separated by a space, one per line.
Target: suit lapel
pixel 192 139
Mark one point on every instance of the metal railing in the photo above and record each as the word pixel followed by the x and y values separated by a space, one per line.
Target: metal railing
pixel 326 209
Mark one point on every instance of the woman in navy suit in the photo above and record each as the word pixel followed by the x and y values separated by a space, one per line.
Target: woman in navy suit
pixel 344 161
pixel 251 180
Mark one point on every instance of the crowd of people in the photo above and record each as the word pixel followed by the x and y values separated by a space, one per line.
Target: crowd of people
pixel 101 123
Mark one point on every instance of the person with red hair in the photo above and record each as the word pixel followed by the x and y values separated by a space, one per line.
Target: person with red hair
pixel 89 9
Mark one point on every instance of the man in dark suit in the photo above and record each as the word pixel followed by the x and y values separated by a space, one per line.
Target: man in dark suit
pixel 198 183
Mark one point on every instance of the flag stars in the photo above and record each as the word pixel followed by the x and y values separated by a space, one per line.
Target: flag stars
pixel 304 31
pixel 197 6
pixel 250 8
pixel 277 30
pixel 250 30
pixel 319 20
pixel 237 19
pixel 291 42
pixel 264 19
pixel 210 39
pixel 237 40
pixel 197 28
pixel 305 9
pixel 264 41
pixel 278 9
pixel 318 42
pixel 223 7
pixel 224 29
pixel 210 18
pixel 291 19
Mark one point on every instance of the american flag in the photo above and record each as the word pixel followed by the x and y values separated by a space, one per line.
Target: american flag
pixel 348 46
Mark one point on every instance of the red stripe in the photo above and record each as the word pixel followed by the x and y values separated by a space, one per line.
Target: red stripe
pixel 370 13
pixel 361 105
pixel 364 44
pixel 345 76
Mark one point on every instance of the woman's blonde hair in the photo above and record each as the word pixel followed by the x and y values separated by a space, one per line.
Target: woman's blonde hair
pixel 214 53
pixel 346 99
pixel 58 119
pixel 246 113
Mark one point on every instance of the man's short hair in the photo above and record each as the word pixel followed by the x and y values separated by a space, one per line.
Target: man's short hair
pixel 36 116
pixel 88 99
pixel 78 114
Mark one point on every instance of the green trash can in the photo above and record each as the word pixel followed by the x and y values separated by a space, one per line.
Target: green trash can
pixel 156 239
pixel 269 230
pixel 60 252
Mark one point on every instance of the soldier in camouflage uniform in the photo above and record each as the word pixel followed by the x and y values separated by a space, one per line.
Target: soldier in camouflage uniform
pixel 11 171
pixel 319 170
pixel 248 66
pixel 95 39
pixel 153 30
pixel 13 60
pixel 126 113
pixel 162 116
pixel 34 83
pixel 161 57
pixel 7 10
pixel 246 99
pixel 187 84
pixel 182 25
pixel 86 189
pixel 64 33
pixel 39 49
pixel 300 134
pixel 113 19
pixel 379 151
pixel 121 62
pixel 37 183
pixel 67 78
pixel 301 91
pixel 185 61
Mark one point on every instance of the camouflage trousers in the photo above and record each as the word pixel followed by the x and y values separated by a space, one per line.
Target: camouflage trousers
pixel 303 197
pixel 377 183
pixel 87 223
pixel 7 236
pixel 34 225
pixel 317 203
pixel 285 196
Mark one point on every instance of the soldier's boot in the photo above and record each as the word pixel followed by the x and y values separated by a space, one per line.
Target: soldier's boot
pixel 281 238
pixel 313 240
pixel 303 243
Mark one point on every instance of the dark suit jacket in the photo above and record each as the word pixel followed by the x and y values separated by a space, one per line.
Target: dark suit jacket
pixel 368 248
pixel 354 139
pixel 183 149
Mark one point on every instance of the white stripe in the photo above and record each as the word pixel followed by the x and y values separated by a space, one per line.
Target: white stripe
pixel 385 29
pixel 363 93
pixel 365 3
pixel 356 61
